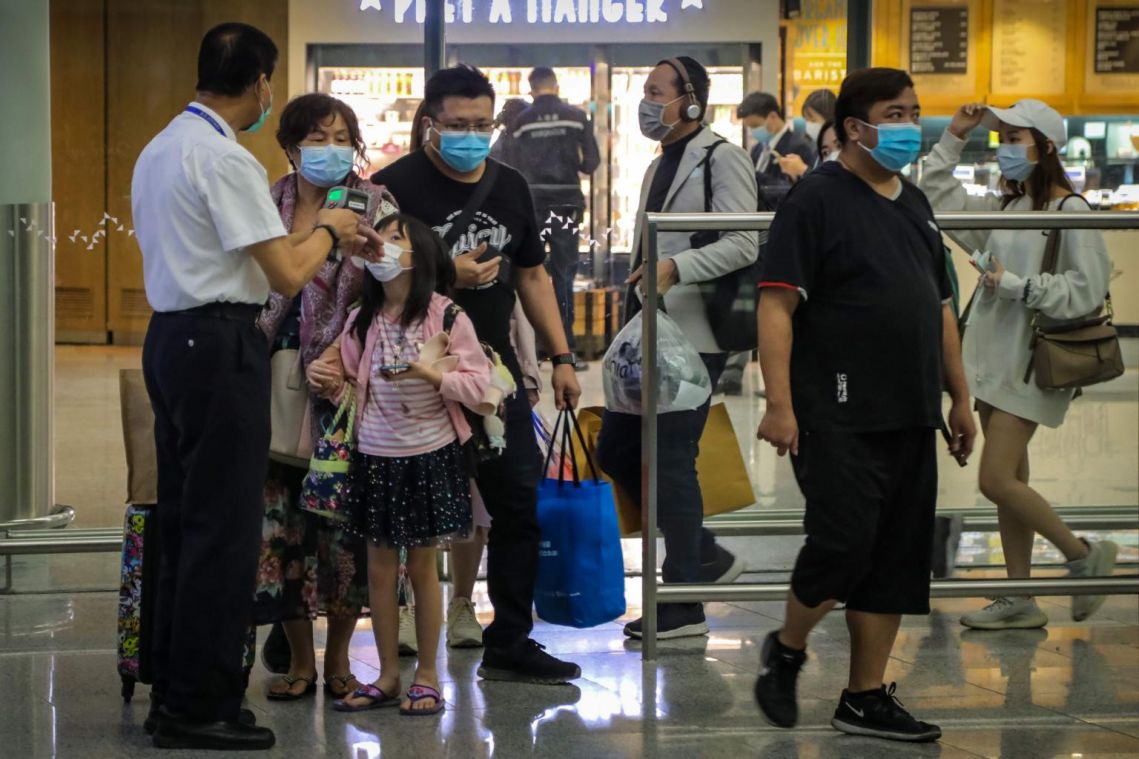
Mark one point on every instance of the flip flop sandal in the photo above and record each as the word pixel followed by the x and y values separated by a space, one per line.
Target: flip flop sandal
pixel 377 699
pixel 328 681
pixel 418 693
pixel 289 695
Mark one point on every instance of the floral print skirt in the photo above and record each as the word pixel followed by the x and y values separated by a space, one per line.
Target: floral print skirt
pixel 309 564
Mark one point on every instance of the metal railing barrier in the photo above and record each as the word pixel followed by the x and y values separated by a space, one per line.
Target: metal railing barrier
pixel 652 592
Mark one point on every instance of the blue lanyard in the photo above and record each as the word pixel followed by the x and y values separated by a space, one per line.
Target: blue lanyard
pixel 212 121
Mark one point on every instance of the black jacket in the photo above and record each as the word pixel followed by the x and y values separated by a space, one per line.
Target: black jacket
pixel 773 183
pixel 552 143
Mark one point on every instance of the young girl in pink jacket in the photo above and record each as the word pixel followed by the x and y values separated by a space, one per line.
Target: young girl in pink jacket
pixel 409 487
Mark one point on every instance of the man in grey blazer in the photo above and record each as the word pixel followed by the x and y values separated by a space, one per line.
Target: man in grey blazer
pixel 672 113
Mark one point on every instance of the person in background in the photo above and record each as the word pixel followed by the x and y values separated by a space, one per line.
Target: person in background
pixel 213 246
pixel 672 113
pixel 504 121
pixel 553 146
pixel 855 256
pixel 409 487
pixel 308 564
pixel 827 143
pixel 774 139
pixel 818 110
pixel 997 345
pixel 435 184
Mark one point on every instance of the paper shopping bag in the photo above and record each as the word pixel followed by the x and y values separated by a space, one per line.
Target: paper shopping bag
pixel 720 468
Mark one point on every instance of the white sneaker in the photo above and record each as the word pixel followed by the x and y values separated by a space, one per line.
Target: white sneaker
pixel 1007 613
pixel 1100 562
pixel 408 643
pixel 463 628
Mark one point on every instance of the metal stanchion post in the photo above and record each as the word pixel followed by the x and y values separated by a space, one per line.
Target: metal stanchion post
pixel 649 446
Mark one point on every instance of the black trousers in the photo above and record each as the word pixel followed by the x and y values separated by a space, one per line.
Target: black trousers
pixel 680 504
pixel 509 487
pixel 207 374
pixel 559 225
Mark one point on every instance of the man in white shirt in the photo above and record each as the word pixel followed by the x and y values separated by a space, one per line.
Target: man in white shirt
pixel 213 246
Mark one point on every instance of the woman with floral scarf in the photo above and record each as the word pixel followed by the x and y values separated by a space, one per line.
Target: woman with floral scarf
pixel 308 564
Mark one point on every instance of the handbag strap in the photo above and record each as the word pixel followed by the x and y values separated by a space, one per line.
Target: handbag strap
pixel 707 164
pixel 565 421
pixel 1052 247
pixel 478 197
pixel 348 405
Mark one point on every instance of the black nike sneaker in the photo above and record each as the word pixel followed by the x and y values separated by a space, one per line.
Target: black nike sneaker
pixel 879 714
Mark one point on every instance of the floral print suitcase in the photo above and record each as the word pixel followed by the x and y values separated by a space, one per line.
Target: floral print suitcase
pixel 137 596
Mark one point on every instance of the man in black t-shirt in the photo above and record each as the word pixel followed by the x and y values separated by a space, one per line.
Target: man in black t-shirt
pixel 857 339
pixel 497 255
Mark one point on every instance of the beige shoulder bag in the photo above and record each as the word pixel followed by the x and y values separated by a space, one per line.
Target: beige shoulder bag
pixel 1067 354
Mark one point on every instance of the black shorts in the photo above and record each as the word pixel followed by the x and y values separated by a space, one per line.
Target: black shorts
pixel 869 522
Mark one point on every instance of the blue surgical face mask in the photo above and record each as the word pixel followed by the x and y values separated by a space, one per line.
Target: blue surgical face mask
pixel 761 134
pixel 1014 163
pixel 326 165
pixel 898 145
pixel 650 118
pixel 464 151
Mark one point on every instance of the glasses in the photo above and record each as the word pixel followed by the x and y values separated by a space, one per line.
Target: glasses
pixel 482 127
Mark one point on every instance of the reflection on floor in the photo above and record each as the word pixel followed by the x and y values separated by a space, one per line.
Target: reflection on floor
pixel 1072 689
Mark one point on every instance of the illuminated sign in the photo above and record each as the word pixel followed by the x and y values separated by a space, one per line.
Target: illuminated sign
pixel 537 11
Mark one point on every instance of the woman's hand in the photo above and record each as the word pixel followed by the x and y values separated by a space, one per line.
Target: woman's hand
pixel 418 370
pixel 992 278
pixel 966 119
pixel 326 375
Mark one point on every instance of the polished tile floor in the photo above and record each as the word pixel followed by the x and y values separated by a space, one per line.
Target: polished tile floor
pixel 1069 690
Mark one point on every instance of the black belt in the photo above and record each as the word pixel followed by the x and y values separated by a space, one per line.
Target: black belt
pixel 238 312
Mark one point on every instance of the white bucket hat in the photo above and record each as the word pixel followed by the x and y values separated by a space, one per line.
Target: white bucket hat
pixel 1029 113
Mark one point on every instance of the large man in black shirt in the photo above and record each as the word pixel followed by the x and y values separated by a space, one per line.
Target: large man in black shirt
pixel 553 145
pixel 857 339
pixel 498 257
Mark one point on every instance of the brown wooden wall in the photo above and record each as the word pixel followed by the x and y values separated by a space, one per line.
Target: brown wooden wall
pixel 121 69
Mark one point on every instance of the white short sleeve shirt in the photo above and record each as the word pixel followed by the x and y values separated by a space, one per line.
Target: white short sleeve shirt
pixel 198 200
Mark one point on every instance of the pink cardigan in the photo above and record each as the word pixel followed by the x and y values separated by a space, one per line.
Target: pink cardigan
pixel 464 386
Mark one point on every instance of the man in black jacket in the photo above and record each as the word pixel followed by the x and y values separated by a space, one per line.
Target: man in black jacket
pixel 773 138
pixel 553 145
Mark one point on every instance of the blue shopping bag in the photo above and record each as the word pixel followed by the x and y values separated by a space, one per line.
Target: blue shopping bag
pixel 581 572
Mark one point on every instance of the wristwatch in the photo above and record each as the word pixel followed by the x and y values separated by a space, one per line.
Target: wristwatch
pixel 331 233
pixel 564 359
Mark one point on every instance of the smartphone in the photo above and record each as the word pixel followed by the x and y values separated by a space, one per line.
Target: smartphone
pixel 982 261
pixel 390 370
pixel 948 437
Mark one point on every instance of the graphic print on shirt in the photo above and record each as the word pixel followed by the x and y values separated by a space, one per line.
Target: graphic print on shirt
pixel 483 228
pixel 841 392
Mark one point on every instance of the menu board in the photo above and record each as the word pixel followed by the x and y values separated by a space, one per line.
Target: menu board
pixel 1030 47
pixel 1117 40
pixel 939 40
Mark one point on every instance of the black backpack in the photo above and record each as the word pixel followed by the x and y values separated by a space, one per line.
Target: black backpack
pixel 731 301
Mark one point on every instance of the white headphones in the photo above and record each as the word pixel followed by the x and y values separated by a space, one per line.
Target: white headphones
pixel 691 112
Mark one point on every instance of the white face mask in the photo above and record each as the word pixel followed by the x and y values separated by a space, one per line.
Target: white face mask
pixel 832 157
pixel 813 129
pixel 388 267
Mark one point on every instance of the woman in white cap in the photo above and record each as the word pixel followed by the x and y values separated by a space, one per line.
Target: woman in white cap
pixel 996 345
